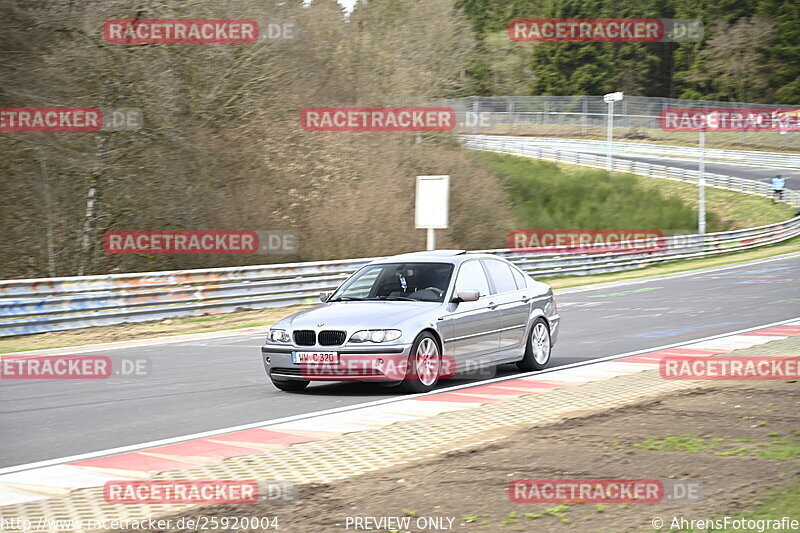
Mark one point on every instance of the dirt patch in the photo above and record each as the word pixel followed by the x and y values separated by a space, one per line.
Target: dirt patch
pixel 739 440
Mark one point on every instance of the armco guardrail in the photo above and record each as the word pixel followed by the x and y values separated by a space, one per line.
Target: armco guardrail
pixel 54 304
pixel 712 155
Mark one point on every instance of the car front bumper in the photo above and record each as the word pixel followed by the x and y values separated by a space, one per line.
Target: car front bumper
pixel 356 363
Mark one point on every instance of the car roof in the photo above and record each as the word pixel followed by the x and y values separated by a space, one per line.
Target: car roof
pixel 454 257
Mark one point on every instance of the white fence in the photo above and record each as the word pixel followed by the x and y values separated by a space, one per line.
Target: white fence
pixel 687 153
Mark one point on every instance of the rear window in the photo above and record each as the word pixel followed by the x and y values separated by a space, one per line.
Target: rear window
pixel 501 275
pixel 520 278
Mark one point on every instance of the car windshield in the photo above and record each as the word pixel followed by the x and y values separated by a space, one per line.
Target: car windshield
pixel 423 282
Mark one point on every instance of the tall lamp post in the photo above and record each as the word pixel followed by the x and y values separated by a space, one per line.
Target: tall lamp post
pixel 701 185
pixel 710 121
pixel 610 98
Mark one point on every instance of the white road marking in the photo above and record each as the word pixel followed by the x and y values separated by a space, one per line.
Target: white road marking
pixel 400 404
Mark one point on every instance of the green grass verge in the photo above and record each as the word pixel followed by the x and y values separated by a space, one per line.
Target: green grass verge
pixel 781 503
pixel 732 210
pixel 547 195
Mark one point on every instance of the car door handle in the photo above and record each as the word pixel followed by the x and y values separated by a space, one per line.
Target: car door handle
pixel 526 299
pixel 492 305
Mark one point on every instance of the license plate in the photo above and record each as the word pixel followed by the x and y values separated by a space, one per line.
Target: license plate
pixel 330 358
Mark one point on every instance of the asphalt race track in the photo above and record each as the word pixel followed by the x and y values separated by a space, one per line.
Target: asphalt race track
pixel 750 172
pixel 200 386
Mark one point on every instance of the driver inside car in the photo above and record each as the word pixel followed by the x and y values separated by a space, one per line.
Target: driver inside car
pixel 426 285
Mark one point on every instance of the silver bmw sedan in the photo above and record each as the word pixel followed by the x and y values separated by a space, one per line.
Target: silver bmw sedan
pixel 414 319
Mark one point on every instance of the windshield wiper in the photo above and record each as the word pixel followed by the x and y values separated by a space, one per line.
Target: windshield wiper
pixel 348 299
pixel 404 298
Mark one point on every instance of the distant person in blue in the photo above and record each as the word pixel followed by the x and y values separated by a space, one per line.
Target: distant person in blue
pixel 778 184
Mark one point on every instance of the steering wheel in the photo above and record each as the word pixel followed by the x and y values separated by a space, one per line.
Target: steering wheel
pixel 436 290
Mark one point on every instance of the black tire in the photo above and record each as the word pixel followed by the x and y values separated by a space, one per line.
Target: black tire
pixel 413 383
pixel 290 385
pixel 529 362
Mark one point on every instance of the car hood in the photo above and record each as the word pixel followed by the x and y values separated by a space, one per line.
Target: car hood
pixel 357 315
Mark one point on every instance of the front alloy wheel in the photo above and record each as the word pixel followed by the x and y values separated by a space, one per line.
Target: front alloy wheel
pixel 424 365
pixel 537 349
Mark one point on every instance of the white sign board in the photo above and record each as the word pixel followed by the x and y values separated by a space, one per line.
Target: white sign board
pixel 612 97
pixel 433 201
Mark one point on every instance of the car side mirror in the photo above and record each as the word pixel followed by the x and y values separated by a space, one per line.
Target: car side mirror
pixel 467 296
pixel 324 296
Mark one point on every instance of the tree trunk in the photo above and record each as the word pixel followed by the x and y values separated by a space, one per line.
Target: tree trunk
pixel 48 215
pixel 90 218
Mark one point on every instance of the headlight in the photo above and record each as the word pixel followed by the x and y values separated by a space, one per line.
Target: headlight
pixel 376 335
pixel 278 335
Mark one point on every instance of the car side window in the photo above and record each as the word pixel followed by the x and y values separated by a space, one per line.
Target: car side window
pixel 519 277
pixel 471 277
pixel 362 287
pixel 501 275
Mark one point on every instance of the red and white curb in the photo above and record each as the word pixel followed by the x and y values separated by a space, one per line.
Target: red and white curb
pixel 58 477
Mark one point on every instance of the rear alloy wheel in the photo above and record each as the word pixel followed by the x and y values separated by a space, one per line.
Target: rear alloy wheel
pixel 537 349
pixel 424 365
pixel 290 385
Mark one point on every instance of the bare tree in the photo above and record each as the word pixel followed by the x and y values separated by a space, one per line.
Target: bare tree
pixel 734 63
pixel 221 146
